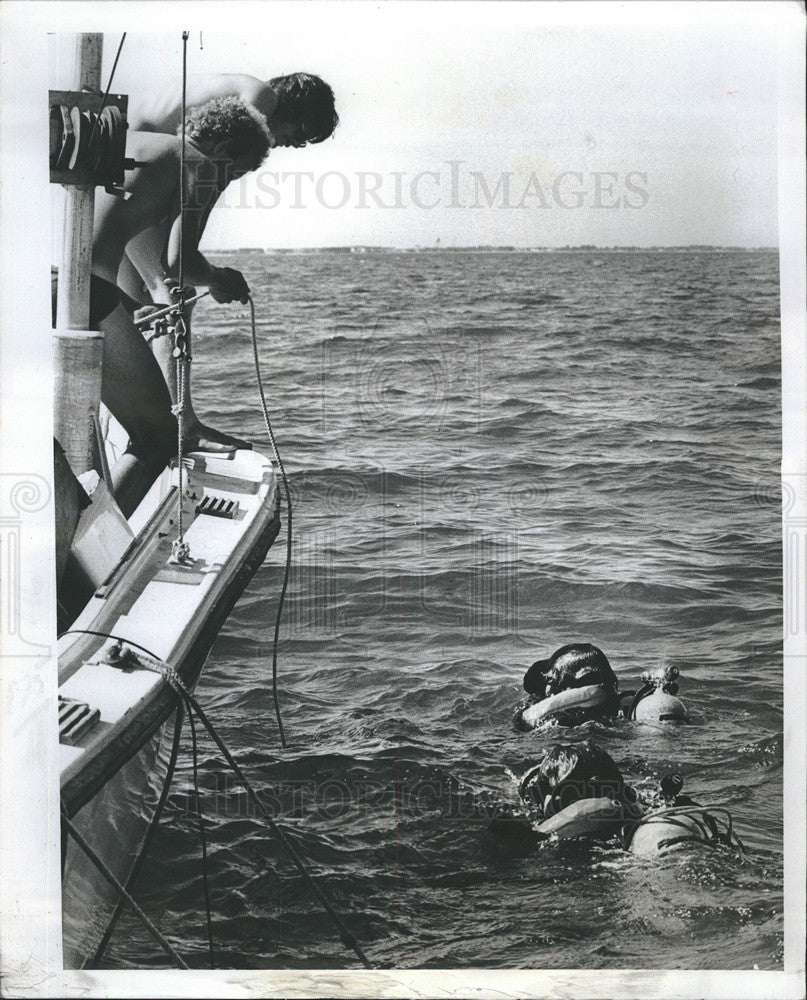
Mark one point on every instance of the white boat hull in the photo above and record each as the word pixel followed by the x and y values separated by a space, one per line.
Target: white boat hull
pixel 113 823
pixel 111 774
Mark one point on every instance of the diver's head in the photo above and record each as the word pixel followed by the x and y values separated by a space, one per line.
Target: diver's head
pixel 569 773
pixel 575 665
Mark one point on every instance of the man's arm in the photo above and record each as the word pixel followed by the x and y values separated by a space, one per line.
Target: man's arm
pixel 202 192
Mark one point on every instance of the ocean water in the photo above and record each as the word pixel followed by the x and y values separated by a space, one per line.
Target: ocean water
pixel 490 454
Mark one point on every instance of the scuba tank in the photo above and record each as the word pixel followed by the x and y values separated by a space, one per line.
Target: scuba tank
pixel 656 701
pixel 679 828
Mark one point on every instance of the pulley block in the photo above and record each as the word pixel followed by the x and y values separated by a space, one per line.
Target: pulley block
pixel 88 139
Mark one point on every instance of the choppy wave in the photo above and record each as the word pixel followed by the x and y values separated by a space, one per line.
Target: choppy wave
pixel 490 457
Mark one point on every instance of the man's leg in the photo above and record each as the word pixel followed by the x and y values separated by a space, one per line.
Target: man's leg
pixel 196 435
pixel 135 392
pixel 141 269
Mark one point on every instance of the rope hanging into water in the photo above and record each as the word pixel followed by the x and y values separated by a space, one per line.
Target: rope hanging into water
pixel 202 837
pixel 191 704
pixel 146 842
pixel 102 868
pixel 348 939
pixel 285 482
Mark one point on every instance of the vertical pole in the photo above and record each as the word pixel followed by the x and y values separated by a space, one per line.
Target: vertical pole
pixel 78 356
pixel 73 304
pixel 79 352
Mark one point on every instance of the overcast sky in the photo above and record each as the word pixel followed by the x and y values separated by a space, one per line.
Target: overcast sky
pixel 500 124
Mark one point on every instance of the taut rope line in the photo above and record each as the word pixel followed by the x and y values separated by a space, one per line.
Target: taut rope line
pixel 179 548
pixel 285 481
pixel 191 704
pixel 102 868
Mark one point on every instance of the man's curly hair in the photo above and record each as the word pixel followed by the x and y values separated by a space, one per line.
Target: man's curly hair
pixel 307 101
pixel 228 120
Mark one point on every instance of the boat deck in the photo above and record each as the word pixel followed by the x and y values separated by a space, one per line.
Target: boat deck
pixel 230 516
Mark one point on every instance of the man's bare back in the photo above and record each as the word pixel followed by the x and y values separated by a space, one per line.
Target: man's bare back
pixel 164 112
pixel 296 109
pixel 152 189
pixel 153 204
pixel 225 139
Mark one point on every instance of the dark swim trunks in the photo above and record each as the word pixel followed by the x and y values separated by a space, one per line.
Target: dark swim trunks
pixel 104 296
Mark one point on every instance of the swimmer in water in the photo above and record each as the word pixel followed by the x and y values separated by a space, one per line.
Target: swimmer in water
pixel 578 667
pixel 577 684
pixel 578 791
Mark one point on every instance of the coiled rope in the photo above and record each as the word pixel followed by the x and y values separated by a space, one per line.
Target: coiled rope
pixel 90 141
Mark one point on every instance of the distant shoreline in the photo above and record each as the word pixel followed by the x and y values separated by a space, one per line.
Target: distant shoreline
pixel 584 248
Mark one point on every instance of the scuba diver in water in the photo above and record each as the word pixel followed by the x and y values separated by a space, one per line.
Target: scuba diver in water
pixel 577 684
pixel 578 791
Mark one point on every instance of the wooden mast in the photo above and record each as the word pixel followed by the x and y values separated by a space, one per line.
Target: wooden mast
pixel 78 350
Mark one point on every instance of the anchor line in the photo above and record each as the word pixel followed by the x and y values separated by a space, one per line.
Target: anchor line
pixel 287 491
pixel 134 871
pixel 123 893
pixel 202 837
pixel 347 938
pixel 191 704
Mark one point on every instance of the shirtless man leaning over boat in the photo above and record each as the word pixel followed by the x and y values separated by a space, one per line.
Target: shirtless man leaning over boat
pixel 295 110
pixel 225 139
pixel 298 108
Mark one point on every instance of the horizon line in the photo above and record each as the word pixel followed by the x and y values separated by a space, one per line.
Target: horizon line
pixel 501 246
